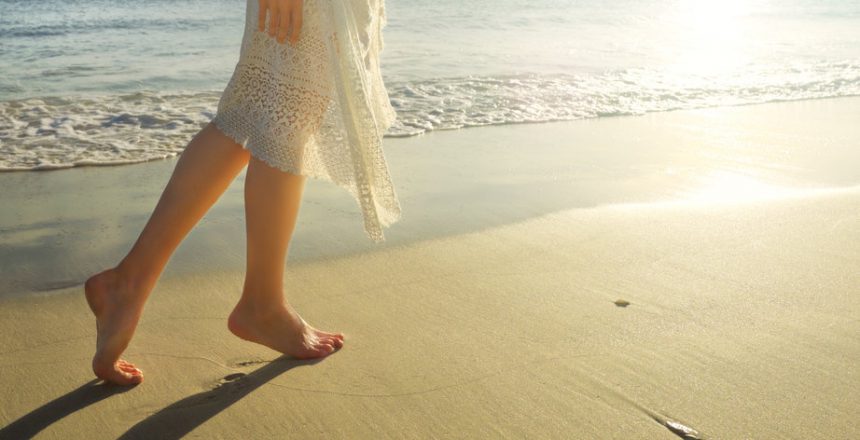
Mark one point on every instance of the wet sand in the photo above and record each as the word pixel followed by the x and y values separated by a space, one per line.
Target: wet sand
pixel 496 308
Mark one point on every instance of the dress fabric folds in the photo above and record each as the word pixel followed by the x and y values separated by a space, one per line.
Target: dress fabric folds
pixel 318 108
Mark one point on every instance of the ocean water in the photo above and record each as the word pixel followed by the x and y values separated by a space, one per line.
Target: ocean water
pixel 86 82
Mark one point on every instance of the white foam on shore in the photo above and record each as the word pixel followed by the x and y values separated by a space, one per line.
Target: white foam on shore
pixel 67 131
pixel 58 132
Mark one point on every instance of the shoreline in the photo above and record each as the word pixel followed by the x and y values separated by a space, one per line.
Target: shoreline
pixel 616 278
pixel 69 223
pixel 409 136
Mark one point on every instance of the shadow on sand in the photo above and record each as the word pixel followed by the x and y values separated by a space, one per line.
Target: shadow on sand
pixel 180 418
pixel 172 422
pixel 49 413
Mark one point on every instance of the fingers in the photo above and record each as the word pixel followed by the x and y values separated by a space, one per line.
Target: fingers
pixel 285 20
pixel 261 20
pixel 274 14
pixel 283 26
pixel 296 22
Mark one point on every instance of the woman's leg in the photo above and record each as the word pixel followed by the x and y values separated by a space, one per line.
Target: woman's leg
pixel 116 296
pixel 272 200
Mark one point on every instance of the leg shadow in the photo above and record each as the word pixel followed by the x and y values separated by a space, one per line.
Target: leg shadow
pixel 180 418
pixel 42 417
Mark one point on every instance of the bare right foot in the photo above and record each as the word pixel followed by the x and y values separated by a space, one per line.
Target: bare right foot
pixel 117 307
pixel 283 330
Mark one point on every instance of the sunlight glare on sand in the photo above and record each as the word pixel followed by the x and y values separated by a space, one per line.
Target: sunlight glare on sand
pixel 727 187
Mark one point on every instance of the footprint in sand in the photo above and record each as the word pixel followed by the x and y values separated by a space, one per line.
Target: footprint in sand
pixel 229 379
pixel 221 390
pixel 248 363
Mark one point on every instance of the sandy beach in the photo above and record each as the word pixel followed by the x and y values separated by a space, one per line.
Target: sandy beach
pixel 731 237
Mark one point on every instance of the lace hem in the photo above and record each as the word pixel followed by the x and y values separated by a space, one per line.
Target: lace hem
pixel 318 108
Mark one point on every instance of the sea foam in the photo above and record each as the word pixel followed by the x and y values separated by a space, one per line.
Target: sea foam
pixel 61 132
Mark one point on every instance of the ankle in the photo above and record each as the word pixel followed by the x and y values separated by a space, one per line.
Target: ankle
pixel 134 278
pixel 264 309
pixel 258 307
pixel 261 295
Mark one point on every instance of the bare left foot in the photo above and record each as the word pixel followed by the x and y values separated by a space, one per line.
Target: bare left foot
pixel 117 308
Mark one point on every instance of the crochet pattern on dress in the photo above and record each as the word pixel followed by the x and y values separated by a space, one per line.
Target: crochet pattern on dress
pixel 318 108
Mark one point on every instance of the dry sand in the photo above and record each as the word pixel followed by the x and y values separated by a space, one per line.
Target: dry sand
pixel 490 313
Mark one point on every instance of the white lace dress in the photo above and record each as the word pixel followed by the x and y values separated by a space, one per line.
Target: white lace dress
pixel 318 108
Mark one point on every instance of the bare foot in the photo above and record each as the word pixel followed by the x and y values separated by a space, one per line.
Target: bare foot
pixel 117 308
pixel 283 330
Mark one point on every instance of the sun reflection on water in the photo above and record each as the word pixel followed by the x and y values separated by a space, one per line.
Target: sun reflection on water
pixel 713 36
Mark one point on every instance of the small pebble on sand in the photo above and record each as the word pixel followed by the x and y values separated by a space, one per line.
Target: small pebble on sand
pixel 622 303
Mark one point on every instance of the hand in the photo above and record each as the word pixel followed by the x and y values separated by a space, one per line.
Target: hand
pixel 281 14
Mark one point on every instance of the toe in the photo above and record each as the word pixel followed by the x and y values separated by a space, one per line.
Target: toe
pixel 127 367
pixel 323 334
pixel 334 338
pixel 121 377
pixel 133 379
pixel 130 369
pixel 323 349
pixel 317 351
pixel 333 341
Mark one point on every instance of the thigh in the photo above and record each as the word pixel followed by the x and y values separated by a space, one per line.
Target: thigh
pixel 212 146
